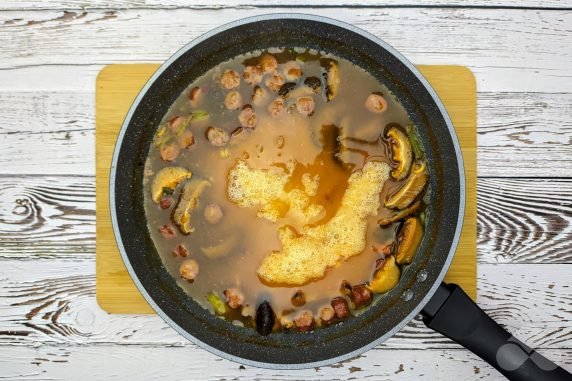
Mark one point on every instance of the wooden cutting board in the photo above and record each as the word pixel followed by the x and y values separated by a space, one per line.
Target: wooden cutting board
pixel 116 88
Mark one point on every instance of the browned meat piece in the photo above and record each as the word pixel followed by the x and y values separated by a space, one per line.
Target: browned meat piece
pixel 167 231
pixel 268 63
pixel 252 75
pixel 233 100
pixel 258 95
pixel 189 269
pixel 217 137
pixel 234 298
pixel 292 71
pixel 305 105
pixel 186 140
pixel 276 107
pixel 176 122
pixel 166 202
pixel 375 102
pixel 361 296
pixel 247 117
pixel 341 307
pixel 345 288
pixel 195 95
pixel 384 249
pixel 170 152
pixel 230 79
pixel 180 251
pixel 305 321
pixel 274 82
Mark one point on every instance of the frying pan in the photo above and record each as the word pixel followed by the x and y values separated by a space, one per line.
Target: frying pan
pixel 445 308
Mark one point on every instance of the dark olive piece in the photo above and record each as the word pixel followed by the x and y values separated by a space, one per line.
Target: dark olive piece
pixel 314 83
pixel 286 88
pixel 265 319
pixel 361 296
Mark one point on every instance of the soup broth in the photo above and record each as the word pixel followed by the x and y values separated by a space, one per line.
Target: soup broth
pixel 284 190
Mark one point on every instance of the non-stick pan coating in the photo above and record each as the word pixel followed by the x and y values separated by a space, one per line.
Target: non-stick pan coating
pixel 293 350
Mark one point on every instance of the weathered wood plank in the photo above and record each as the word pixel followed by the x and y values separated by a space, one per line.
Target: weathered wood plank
pixel 151 363
pixel 530 46
pixel 53 302
pixel 519 220
pixel 217 4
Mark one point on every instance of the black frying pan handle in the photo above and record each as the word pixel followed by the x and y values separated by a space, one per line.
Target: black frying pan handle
pixel 452 313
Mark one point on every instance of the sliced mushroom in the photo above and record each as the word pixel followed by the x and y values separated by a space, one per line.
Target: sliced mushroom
pixel 187 203
pixel 386 276
pixel 413 208
pixel 168 177
pixel 401 152
pixel 222 249
pixel 408 240
pixel 411 189
pixel 332 78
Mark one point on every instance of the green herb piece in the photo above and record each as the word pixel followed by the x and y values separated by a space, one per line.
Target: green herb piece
pixel 217 303
pixel 168 191
pixel 415 141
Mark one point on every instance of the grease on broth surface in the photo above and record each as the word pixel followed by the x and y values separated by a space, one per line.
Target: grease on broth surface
pixel 265 148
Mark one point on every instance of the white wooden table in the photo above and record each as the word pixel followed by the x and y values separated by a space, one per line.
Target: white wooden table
pixel 50 53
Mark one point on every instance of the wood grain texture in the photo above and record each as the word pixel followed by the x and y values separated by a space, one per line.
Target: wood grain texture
pixel 180 363
pixel 117 86
pixel 218 4
pixel 519 220
pixel 530 49
pixel 52 302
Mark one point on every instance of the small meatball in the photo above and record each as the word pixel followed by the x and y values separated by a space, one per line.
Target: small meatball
pixel 361 296
pixel 217 137
pixel 305 105
pixel 180 251
pixel 286 323
pixel 258 95
pixel 234 298
pixel 247 311
pixel 213 214
pixel 265 319
pixel 274 82
pixel 170 152
pixel 314 83
pixel 268 63
pixel 292 71
pixel 305 321
pixel 166 202
pixel 341 307
pixel 230 79
pixel 252 75
pixel 186 140
pixel 247 117
pixel 233 100
pixel 276 107
pixel 167 231
pixel 189 269
pixel 327 315
pixel 298 299
pixel 195 96
pixel 376 103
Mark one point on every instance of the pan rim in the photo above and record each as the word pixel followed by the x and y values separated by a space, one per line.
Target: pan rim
pixel 438 103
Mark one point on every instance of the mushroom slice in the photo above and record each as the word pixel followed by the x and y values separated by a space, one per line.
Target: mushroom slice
pixel 187 203
pixel 400 214
pixel 401 152
pixel 168 177
pixel 411 189
pixel 222 249
pixel 332 78
pixel 408 239
pixel 385 277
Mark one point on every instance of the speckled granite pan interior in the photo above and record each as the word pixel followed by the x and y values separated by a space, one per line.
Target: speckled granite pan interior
pixel 288 350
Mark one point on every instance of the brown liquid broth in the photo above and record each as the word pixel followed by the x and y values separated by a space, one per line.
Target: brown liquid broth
pixel 301 143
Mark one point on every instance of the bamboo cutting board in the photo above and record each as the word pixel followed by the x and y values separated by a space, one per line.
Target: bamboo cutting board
pixel 116 88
